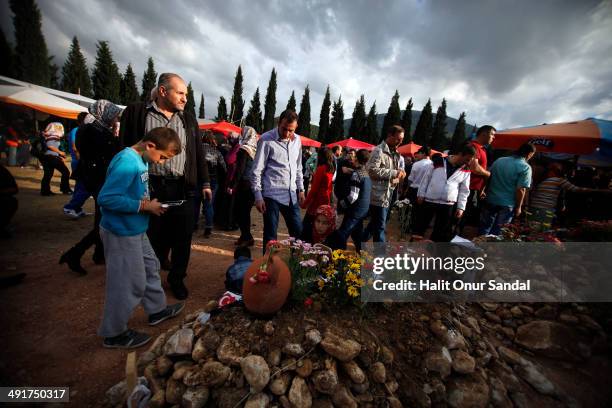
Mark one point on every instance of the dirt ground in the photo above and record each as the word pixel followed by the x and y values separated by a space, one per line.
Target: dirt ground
pixel 49 321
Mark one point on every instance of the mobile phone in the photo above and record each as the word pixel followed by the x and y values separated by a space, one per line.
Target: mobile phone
pixel 177 203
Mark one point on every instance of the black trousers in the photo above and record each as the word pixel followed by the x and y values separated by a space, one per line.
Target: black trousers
pixel 8 208
pixel 93 237
pixel 51 163
pixel 243 205
pixel 170 234
pixel 443 223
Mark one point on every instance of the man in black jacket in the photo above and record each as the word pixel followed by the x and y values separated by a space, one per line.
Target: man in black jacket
pixel 179 178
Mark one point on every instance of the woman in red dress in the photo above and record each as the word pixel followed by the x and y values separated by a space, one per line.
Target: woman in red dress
pixel 320 190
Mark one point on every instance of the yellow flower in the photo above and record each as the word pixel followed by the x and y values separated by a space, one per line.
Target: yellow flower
pixel 321 283
pixel 350 276
pixel 352 291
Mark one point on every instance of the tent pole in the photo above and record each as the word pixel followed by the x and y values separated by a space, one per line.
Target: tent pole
pixel 35 121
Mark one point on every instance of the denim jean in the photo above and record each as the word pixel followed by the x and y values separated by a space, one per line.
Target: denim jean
pixel 207 205
pixel 493 217
pixel 378 221
pixel 291 214
pixel 351 226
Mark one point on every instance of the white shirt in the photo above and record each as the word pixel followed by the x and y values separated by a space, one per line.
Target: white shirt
pixel 418 171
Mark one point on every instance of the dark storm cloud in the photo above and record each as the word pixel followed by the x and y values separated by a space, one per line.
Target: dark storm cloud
pixel 509 63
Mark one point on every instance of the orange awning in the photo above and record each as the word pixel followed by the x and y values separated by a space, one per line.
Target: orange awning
pixel 40 101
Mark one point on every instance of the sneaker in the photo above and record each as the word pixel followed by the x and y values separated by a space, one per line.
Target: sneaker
pixel 83 213
pixel 127 340
pixel 168 313
pixel 71 213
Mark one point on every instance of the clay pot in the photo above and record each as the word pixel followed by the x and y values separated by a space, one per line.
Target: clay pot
pixel 265 298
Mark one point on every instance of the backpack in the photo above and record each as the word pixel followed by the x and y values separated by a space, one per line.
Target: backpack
pixel 38 147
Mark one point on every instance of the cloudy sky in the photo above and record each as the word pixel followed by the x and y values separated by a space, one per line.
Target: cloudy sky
pixel 508 63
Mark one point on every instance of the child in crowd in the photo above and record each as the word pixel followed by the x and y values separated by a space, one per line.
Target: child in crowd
pixel 324 223
pixel 132 269
pixel 235 273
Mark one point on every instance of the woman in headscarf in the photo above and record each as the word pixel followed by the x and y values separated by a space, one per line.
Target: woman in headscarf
pixel 225 200
pixel 239 185
pixel 216 169
pixel 53 159
pixel 97 143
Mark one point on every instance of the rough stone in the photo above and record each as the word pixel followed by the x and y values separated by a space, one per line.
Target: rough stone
pixel 313 337
pixel 256 372
pixel 280 384
pixel 144 359
pixel 293 349
pixel 354 372
pixel 230 352
pixel 360 388
pixel 488 306
pixel 394 402
pixel 386 355
pixel 343 349
pixel 211 374
pixel 180 343
pixel 199 350
pixel 299 394
pixel 463 363
pixel 509 356
pixel 516 311
pixel 342 398
pixel 588 322
pixel 211 340
pixel 284 401
pixel 274 357
pixel 472 322
pixel 174 391
pixel 499 394
pixel 439 361
pixel 195 397
pixel 391 386
pixel 259 400
pixel 529 372
pixel 546 312
pixel 548 338
pixel 158 400
pixel 117 394
pixel 467 392
pixel 569 318
pixel 326 381
pixel 378 372
pixel 304 368
pixel 508 332
pixel 322 403
pixel 493 317
pixel 227 397
pixel 210 306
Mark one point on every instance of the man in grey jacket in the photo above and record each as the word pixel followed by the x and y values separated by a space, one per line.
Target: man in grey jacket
pixel 386 174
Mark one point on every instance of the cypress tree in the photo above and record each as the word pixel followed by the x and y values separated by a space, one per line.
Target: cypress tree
pixel 201 111
pixel 291 103
pixel 106 78
pixel 393 116
pixel 336 125
pixel 31 53
pixel 129 91
pixel 406 122
pixel 270 103
pixel 304 116
pixel 190 106
pixel 149 80
pixel 253 117
pixel 237 103
pixel 439 140
pixel 422 132
pixel 458 138
pixel 6 68
pixel 358 121
pixel 54 80
pixel 324 116
pixel 221 110
pixel 75 75
pixel 371 128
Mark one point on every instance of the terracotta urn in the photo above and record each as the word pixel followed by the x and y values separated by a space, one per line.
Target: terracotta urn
pixel 266 285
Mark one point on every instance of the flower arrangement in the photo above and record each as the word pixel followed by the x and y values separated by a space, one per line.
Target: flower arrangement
pixel 316 269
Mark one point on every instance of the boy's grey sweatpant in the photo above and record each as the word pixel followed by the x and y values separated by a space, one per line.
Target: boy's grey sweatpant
pixel 132 277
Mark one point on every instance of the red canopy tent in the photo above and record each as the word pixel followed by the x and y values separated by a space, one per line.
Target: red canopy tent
pixel 351 143
pixel 308 142
pixel 409 149
pixel 221 127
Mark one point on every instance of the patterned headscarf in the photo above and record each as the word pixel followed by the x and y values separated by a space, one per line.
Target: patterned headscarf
pixel 54 131
pixel 104 111
pixel 248 141
pixel 329 213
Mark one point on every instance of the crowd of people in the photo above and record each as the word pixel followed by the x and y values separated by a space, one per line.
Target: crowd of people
pixel 153 175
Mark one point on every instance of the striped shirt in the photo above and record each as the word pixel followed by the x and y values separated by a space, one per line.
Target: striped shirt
pixel 155 118
pixel 545 195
